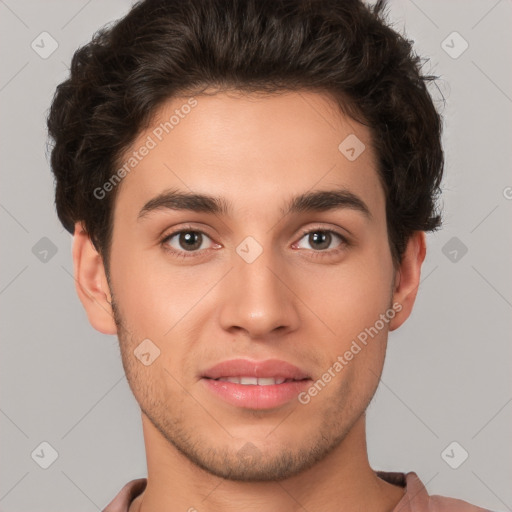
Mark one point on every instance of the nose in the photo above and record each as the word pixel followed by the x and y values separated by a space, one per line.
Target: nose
pixel 258 297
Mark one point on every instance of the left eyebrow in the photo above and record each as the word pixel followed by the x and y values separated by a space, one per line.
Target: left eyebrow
pixel 316 201
pixel 325 200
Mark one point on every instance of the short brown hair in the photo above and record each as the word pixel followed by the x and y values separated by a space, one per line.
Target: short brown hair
pixel 163 48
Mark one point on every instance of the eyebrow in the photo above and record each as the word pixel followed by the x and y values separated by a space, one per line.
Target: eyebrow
pixel 316 201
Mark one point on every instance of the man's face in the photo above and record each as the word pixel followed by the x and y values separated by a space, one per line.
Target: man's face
pixel 303 300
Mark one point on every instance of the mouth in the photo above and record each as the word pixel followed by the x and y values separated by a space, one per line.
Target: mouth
pixel 255 381
pixel 256 394
pixel 256 384
pixel 246 369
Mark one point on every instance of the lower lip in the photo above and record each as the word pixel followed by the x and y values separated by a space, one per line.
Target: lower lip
pixel 254 396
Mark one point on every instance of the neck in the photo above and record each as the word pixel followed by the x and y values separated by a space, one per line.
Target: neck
pixel 343 480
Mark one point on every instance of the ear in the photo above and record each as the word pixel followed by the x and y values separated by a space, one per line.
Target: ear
pixel 91 282
pixel 407 278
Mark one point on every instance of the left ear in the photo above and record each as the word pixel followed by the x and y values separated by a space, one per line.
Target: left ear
pixel 407 278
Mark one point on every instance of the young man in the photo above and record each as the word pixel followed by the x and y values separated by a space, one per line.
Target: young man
pixel 249 184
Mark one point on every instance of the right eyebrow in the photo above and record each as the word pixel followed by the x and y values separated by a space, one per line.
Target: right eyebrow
pixel 181 200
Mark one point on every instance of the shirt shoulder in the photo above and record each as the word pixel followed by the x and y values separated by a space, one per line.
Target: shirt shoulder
pixel 126 495
pixel 445 504
pixel 417 499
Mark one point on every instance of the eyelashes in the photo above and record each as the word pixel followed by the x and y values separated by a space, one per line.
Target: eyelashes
pixel 196 242
pixel 329 233
pixel 179 252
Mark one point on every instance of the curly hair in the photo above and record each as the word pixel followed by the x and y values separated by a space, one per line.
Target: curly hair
pixel 167 48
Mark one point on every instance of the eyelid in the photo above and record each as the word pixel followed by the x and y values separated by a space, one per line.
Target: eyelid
pixel 183 229
pixel 345 242
pixel 325 229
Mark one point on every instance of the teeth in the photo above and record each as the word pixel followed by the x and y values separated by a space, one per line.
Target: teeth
pixel 254 381
pixel 249 380
pixel 269 381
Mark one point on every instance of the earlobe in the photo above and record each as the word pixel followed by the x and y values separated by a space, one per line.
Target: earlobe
pixel 407 278
pixel 91 282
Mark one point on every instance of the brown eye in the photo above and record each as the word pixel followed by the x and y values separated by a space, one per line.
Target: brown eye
pixel 185 241
pixel 190 240
pixel 321 240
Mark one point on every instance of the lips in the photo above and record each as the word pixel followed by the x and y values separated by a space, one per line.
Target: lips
pixel 257 385
pixel 255 381
pixel 247 372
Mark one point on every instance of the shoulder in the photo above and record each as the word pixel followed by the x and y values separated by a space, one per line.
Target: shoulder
pixel 417 499
pixel 126 495
pixel 435 503
pixel 445 504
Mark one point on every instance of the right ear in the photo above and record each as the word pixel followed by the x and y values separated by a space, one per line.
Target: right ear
pixel 91 282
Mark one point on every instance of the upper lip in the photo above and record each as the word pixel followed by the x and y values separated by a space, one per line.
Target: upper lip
pixel 250 368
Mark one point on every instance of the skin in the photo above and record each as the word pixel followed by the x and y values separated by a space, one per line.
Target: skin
pixel 256 151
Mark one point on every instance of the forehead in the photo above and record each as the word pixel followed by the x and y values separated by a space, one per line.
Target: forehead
pixel 251 149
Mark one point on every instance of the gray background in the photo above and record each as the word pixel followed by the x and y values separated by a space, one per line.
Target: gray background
pixel 447 373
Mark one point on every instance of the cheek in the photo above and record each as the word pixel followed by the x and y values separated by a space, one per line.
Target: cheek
pixel 135 289
pixel 155 295
pixel 355 353
pixel 349 298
